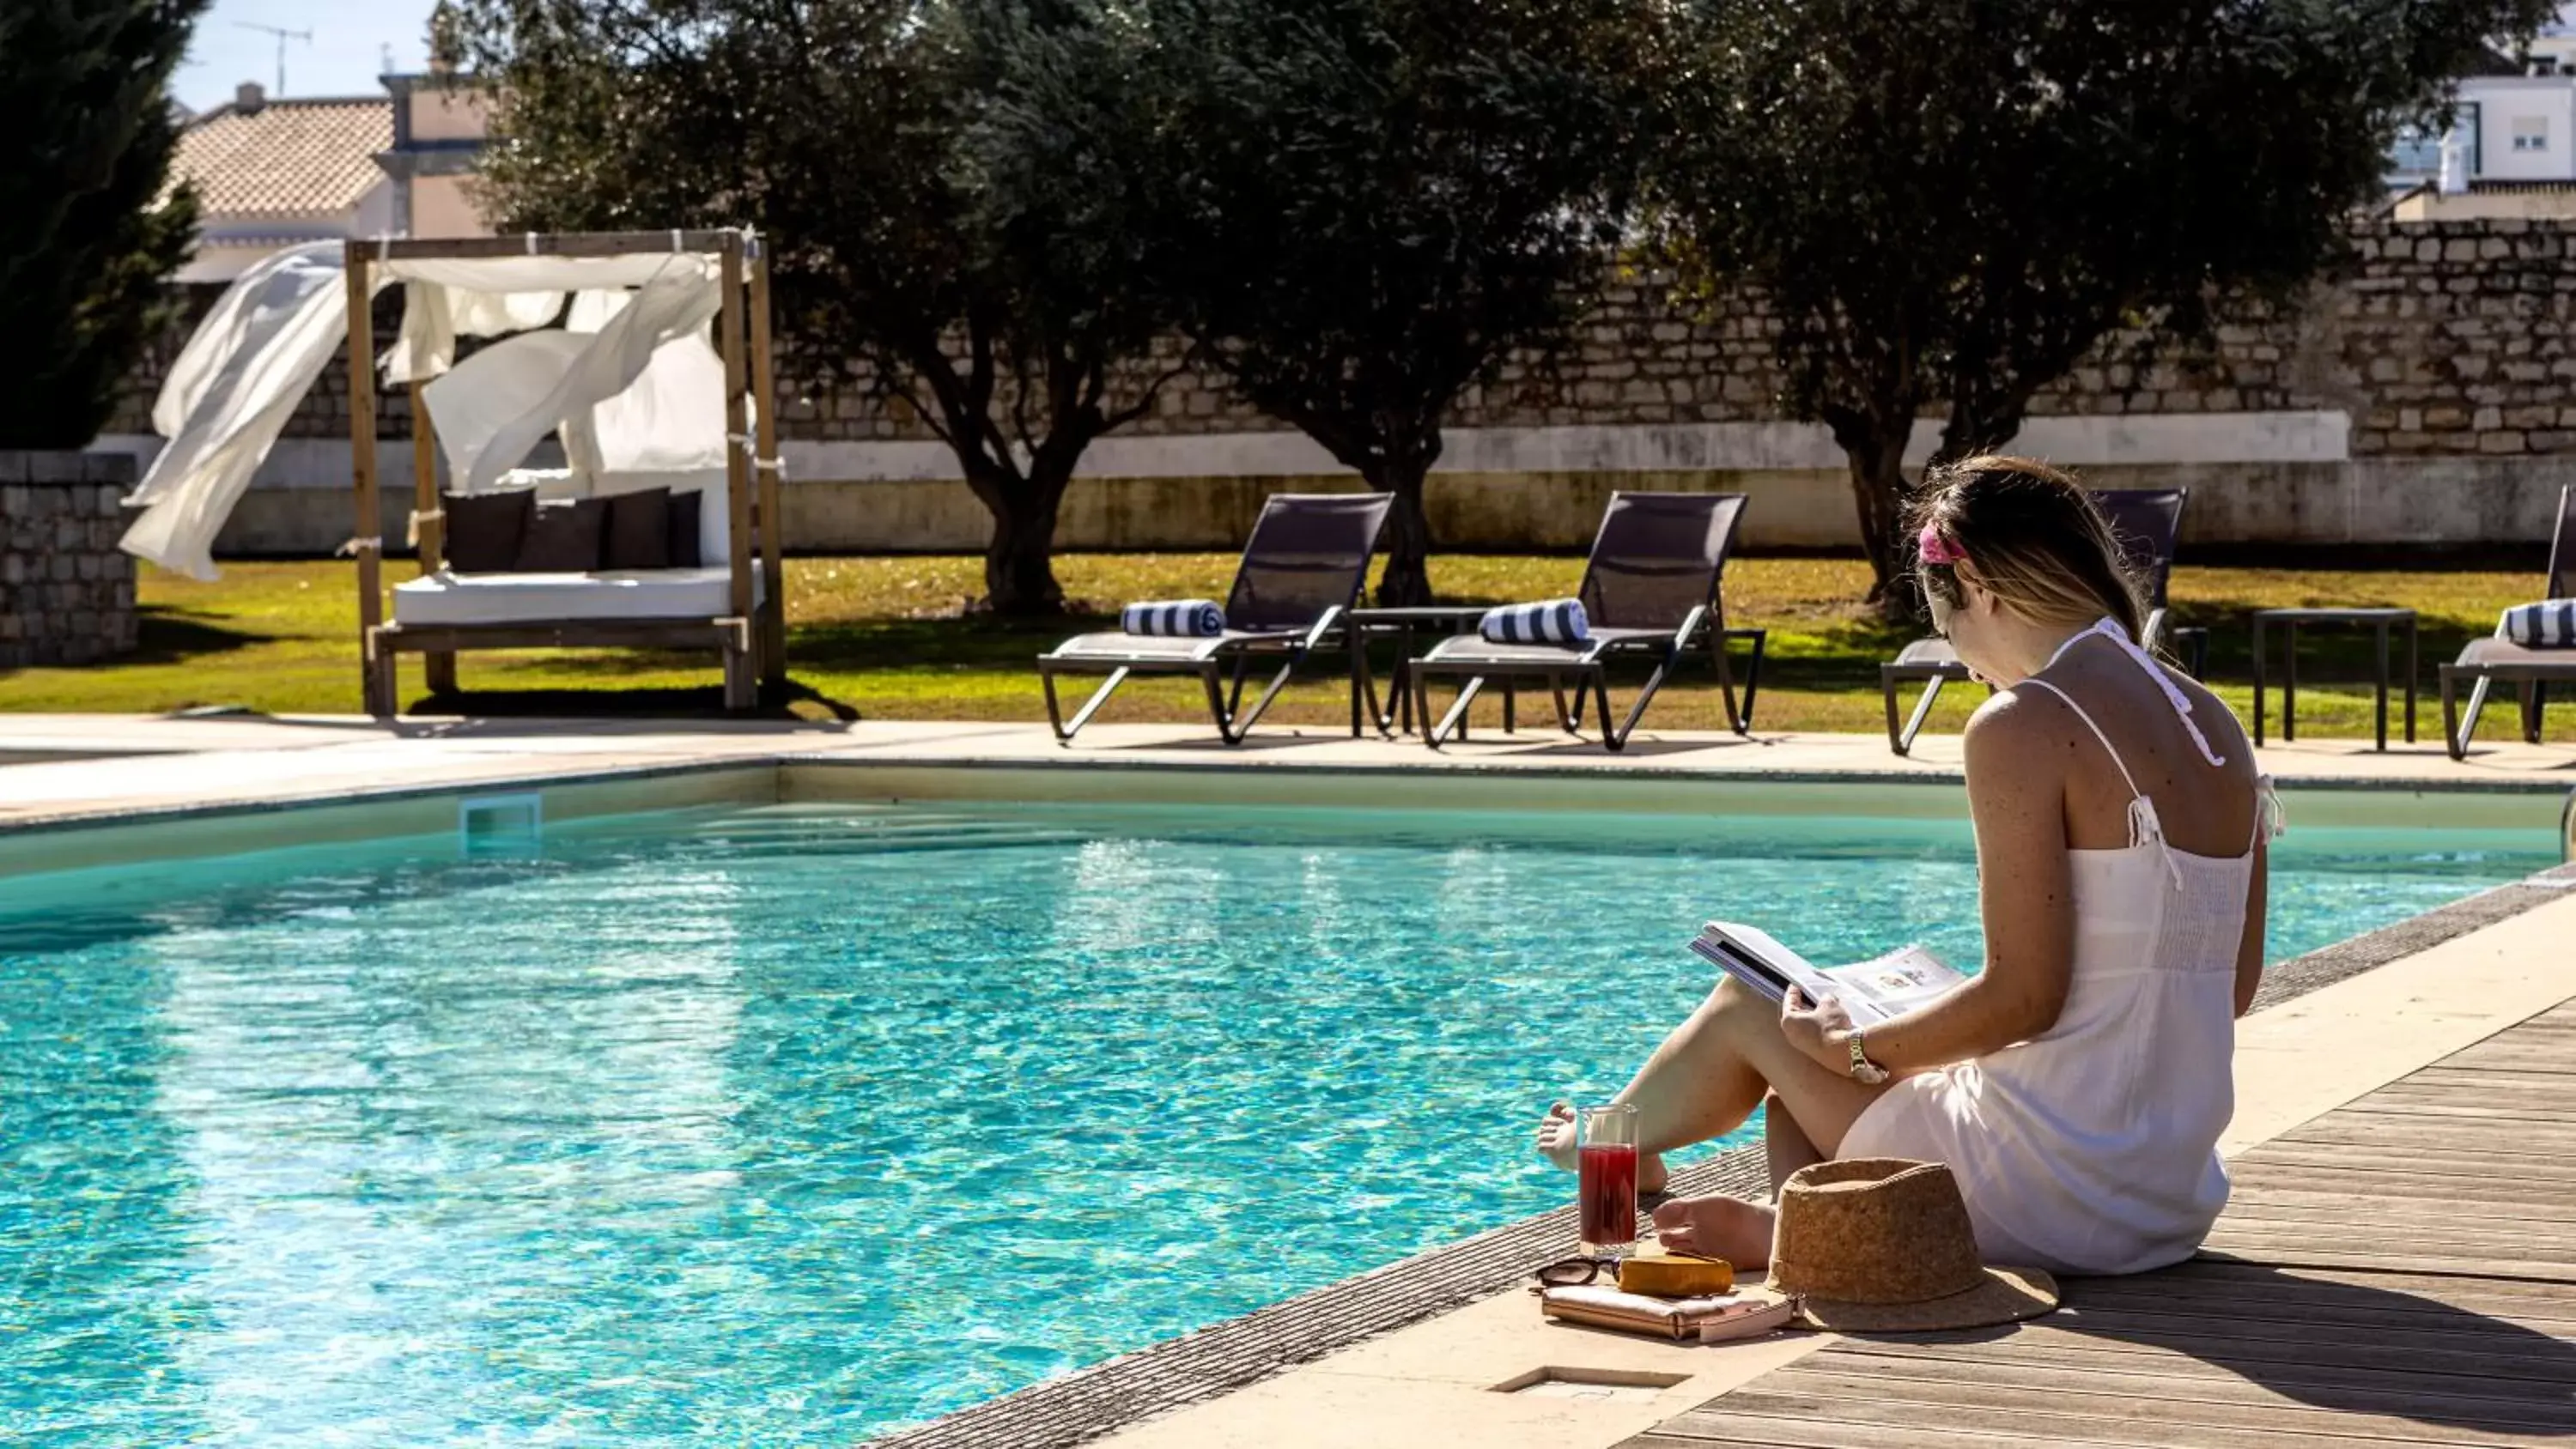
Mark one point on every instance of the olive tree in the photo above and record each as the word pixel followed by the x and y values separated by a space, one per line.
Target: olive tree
pixel 1006 308
pixel 1949 203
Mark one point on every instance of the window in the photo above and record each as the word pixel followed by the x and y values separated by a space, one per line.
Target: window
pixel 2531 133
pixel 2415 154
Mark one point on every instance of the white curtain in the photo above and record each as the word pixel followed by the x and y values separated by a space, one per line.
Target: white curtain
pixel 228 397
pixel 673 305
pixel 240 377
pixel 448 298
pixel 485 393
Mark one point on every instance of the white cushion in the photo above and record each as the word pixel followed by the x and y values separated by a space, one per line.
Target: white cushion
pixel 445 598
pixel 553 485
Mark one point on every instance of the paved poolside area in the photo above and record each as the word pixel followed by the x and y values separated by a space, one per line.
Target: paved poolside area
pixel 2405 1242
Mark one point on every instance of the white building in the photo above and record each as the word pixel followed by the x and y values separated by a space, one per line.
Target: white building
pixel 2511 150
pixel 271 174
pixel 275 173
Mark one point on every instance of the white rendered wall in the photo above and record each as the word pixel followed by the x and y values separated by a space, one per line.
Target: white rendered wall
pixel 2502 100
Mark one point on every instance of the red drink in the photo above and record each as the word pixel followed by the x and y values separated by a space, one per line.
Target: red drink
pixel 1609 1193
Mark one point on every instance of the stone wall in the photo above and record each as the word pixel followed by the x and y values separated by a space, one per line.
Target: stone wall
pixel 66 591
pixel 2445 342
pixel 2444 338
pixel 2447 337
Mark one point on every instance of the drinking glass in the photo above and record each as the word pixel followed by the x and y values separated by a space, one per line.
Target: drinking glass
pixel 1606 1145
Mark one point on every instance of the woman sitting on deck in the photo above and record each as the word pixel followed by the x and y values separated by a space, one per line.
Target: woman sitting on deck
pixel 2077 1087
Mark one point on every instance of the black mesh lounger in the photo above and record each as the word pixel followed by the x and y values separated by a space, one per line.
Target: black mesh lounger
pixel 2496 660
pixel 2146 521
pixel 1650 591
pixel 1302 570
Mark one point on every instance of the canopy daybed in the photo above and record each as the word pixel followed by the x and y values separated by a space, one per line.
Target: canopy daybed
pixel 644 407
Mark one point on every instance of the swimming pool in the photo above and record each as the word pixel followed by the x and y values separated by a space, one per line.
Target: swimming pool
pixel 795 1124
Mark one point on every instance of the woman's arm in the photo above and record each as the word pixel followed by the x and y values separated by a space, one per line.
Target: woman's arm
pixel 2017 794
pixel 2249 949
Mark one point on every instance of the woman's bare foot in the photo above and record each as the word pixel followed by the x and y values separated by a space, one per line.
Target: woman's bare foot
pixel 1556 1143
pixel 1717 1227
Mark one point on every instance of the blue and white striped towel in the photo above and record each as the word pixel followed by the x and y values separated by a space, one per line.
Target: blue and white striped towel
pixel 2550 625
pixel 1176 619
pixel 1550 621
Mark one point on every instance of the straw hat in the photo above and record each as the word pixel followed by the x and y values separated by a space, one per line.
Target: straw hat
pixel 1882 1245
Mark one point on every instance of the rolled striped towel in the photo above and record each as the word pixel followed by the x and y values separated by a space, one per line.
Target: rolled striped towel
pixel 1174 619
pixel 2550 625
pixel 1549 621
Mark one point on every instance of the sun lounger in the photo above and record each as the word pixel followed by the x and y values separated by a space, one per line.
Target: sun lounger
pixel 1650 592
pixel 1302 571
pixel 2146 521
pixel 2494 660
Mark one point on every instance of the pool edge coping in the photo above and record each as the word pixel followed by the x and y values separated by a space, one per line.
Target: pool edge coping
pixel 93 817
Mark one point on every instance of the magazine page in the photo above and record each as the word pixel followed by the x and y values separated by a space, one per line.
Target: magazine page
pixel 1774 965
pixel 1895 983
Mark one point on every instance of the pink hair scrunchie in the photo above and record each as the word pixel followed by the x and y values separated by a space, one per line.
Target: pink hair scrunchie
pixel 1935 549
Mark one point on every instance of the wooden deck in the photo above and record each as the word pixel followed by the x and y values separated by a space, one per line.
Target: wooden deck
pixel 2400 1270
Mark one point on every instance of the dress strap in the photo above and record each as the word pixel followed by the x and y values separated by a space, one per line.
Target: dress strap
pixel 2110 629
pixel 2116 762
pixel 2270 818
pixel 2144 825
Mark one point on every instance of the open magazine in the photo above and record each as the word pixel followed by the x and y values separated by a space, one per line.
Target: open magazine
pixel 1873 990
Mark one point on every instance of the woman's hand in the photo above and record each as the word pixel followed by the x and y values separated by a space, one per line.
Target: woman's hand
pixel 1821 1030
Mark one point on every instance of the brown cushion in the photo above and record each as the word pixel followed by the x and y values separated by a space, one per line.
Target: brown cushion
pixel 686 550
pixel 639 530
pixel 484 532
pixel 565 538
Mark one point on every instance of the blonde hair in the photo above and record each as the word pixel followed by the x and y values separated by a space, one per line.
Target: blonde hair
pixel 2035 538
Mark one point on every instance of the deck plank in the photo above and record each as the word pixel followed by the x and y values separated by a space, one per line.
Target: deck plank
pixel 1980 1393
pixel 2144 1427
pixel 2401 1270
pixel 2369 1398
pixel 2309 1380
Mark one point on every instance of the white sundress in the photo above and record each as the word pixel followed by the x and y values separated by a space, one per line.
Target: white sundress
pixel 2093 1148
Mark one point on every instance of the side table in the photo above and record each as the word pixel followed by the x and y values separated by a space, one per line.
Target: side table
pixel 1442 620
pixel 2381 621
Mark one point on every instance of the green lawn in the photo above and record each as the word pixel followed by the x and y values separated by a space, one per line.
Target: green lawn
pixel 884 638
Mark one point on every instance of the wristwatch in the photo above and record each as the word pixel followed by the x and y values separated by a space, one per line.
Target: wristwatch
pixel 1864 1071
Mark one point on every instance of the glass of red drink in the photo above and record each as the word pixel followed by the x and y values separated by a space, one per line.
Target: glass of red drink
pixel 1606 1147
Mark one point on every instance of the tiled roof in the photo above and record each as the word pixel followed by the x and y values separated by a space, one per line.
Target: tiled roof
pixel 287 156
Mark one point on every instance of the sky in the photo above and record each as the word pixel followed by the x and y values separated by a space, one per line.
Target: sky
pixel 344 57
pixel 346 53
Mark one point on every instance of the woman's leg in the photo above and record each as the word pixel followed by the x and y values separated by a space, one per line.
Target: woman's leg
pixel 1730 1228
pixel 1694 1087
pixel 1709 1075
pixel 1784 1144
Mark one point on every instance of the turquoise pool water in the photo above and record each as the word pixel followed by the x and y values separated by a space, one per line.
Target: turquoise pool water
pixel 794 1125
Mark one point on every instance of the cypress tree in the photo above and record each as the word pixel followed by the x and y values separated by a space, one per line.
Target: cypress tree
pixel 87 234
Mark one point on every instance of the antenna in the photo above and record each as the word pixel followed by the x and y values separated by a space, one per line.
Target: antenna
pixel 283 35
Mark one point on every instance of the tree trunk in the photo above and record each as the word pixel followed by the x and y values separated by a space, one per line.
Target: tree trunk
pixel 1406 581
pixel 1875 452
pixel 1019 562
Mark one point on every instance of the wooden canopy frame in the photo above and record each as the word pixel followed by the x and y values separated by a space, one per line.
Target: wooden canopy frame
pixel 751 636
